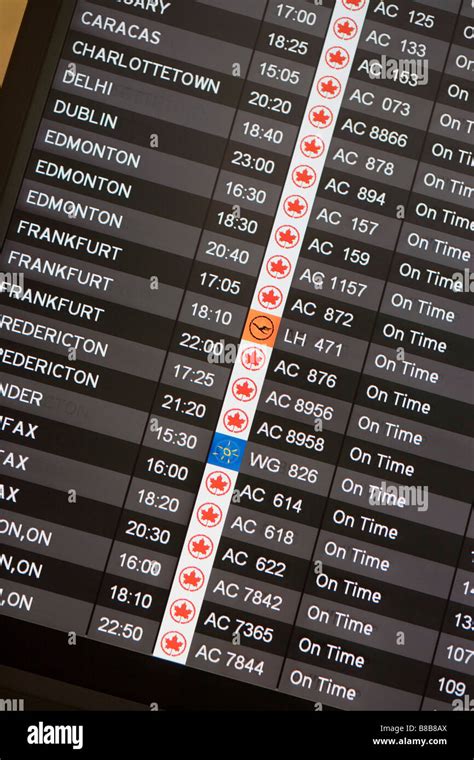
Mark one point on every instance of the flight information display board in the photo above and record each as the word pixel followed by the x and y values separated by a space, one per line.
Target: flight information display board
pixel 236 357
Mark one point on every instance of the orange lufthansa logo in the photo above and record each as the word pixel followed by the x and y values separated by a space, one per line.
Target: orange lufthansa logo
pixel 261 328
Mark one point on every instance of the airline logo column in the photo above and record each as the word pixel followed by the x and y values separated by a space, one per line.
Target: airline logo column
pixel 261 328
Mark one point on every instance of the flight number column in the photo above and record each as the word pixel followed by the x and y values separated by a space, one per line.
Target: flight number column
pixel 245 621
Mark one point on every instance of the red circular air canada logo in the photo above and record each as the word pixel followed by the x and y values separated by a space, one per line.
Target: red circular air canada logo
pixel 235 421
pixel 191 579
pixel 337 57
pixel 287 236
pixel 345 28
pixel 270 297
pixel 303 176
pixel 353 5
pixel 278 267
pixel 295 206
pixel 312 146
pixel 328 87
pixel 209 515
pixel 173 643
pixel 244 389
pixel 218 483
pixel 321 117
pixel 182 611
pixel 200 547
pixel 253 359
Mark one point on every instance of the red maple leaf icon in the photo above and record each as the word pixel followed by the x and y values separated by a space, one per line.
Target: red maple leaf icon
pixel 338 58
pixel 253 359
pixel 209 515
pixel 270 297
pixel 295 206
pixel 181 611
pixel 353 2
pixel 218 483
pixel 279 267
pixel 319 116
pixel 304 177
pixel 191 579
pixel 310 146
pixel 345 28
pixel 329 87
pixel 287 237
pixel 174 644
pixel 200 547
pixel 244 389
pixel 235 420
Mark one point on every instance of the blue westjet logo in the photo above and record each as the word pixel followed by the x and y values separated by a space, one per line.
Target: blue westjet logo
pixel 226 451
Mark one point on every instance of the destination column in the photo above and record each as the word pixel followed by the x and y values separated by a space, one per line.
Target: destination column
pixel 106 226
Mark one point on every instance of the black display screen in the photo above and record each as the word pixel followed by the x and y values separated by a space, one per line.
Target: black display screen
pixel 236 358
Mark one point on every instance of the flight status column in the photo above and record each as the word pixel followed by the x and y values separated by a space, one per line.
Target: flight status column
pixel 448 155
pixel 392 531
